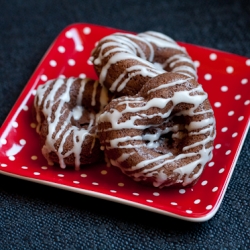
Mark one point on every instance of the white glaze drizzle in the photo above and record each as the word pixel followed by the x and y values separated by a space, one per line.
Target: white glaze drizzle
pixel 206 127
pixel 93 101
pixel 43 104
pixel 119 47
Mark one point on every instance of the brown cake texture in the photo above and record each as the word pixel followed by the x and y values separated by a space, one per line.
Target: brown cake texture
pixel 163 135
pixel 125 62
pixel 66 113
pixel 147 114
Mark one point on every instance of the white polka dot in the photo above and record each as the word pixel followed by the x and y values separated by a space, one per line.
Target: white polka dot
pixel 36 173
pixel 24 167
pixel 150 201
pixel 240 118
pixel 44 167
pixel 217 146
pixel 76 182
pixel 22 142
pixel 224 129
pixel 33 157
pixel 197 64
pixel 33 92
pixel 210 164
pixel 15 124
pixel 113 191
pixel 174 203
pixel 60 175
pixel 228 152
pixel 230 69
pixel 189 211
pixel 53 63
pixel 83 175
pixel 247 102
pixel 237 97
pixel 61 49
pixel 224 88
pixel 25 108
pixel 95 183
pixel 62 76
pixel 230 113
pixel 12 158
pixel 204 183
pixel 71 62
pixel 69 34
pixel 82 75
pixel 208 77
pixel 3 165
pixel 221 170
pixel 156 194
pixel 86 30
pixel 79 47
pixel 209 207
pixel 89 62
pixel 44 78
pixel 244 81
pixel 182 191
pixel 234 134
pixel 217 104
pixel 135 194
pixel 214 189
pixel 32 125
pixel 213 56
pixel 3 141
pixel 104 172
pixel 197 201
pixel 248 62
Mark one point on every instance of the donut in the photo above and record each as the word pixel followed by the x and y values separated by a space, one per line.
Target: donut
pixel 163 135
pixel 125 62
pixel 66 111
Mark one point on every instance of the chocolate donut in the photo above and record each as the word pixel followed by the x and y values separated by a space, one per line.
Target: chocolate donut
pixel 66 113
pixel 124 62
pixel 163 135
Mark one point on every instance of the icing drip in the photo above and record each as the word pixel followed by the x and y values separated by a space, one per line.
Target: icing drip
pixel 136 110
pixel 55 108
pixel 139 53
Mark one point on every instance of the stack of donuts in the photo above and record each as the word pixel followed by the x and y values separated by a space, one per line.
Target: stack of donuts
pixel 146 115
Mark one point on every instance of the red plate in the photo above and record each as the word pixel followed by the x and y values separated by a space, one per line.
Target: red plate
pixel 226 78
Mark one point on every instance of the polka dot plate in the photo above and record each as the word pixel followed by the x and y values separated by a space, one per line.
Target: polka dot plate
pixel 225 77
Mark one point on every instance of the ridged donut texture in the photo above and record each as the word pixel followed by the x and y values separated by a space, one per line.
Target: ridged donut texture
pixel 124 62
pixel 163 135
pixel 66 113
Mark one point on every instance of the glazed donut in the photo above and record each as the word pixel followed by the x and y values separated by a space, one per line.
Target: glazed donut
pixel 124 62
pixel 163 135
pixel 66 112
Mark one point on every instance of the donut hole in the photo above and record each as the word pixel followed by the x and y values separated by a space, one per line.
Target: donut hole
pixel 84 124
pixel 161 144
pixel 174 140
pixel 164 143
pixel 168 138
pixel 82 120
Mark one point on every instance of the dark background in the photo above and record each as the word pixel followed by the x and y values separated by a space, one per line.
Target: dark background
pixel 33 216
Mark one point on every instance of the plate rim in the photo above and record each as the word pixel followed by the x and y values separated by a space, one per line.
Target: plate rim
pixel 28 87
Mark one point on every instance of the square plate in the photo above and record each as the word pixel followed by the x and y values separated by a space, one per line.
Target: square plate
pixel 226 79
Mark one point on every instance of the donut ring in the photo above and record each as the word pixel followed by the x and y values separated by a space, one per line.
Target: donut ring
pixel 124 62
pixel 163 135
pixel 66 112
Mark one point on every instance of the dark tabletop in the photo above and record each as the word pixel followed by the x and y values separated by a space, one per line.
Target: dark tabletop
pixel 33 216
